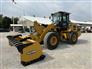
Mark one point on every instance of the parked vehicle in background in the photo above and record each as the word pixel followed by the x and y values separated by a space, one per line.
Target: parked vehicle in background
pixel 4 30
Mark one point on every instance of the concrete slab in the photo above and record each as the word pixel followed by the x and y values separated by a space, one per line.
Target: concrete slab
pixel 78 56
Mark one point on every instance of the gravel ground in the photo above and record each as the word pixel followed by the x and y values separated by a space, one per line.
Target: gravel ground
pixel 78 56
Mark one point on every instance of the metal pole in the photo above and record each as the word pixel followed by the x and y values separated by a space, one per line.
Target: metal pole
pixel 23 14
pixel 13 23
pixel 23 26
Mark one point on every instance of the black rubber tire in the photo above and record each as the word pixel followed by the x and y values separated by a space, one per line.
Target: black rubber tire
pixel 72 35
pixel 47 39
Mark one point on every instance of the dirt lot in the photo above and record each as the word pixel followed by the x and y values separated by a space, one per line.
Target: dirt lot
pixel 78 56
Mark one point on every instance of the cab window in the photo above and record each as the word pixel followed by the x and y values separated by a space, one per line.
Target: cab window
pixel 64 18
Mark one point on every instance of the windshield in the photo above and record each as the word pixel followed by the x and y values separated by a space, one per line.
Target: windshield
pixel 56 18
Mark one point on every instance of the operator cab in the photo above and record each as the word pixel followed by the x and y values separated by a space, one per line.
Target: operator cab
pixel 61 19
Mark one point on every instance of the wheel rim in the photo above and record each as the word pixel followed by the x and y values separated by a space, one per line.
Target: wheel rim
pixel 74 38
pixel 53 40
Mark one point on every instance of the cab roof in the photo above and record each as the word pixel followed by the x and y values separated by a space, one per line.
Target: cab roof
pixel 61 12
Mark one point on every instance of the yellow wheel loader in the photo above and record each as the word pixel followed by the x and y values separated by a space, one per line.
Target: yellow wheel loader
pixel 61 29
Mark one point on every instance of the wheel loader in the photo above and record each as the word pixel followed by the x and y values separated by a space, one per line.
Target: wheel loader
pixel 61 29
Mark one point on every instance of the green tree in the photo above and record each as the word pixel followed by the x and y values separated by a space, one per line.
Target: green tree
pixel 1 17
pixel 6 21
pixel 15 20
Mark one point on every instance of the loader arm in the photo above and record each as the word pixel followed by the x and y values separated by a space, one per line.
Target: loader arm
pixel 46 30
pixel 41 31
pixel 38 28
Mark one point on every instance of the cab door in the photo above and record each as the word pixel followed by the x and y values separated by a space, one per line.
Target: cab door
pixel 65 20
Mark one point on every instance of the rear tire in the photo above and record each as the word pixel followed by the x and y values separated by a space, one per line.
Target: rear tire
pixel 51 40
pixel 72 39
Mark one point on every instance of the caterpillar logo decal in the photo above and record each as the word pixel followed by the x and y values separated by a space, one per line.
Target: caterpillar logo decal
pixel 31 52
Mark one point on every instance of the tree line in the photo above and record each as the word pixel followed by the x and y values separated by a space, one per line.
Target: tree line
pixel 5 21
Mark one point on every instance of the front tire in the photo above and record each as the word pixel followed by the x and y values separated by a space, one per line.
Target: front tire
pixel 51 40
pixel 72 38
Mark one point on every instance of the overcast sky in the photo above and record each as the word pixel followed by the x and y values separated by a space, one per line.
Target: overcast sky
pixel 80 10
